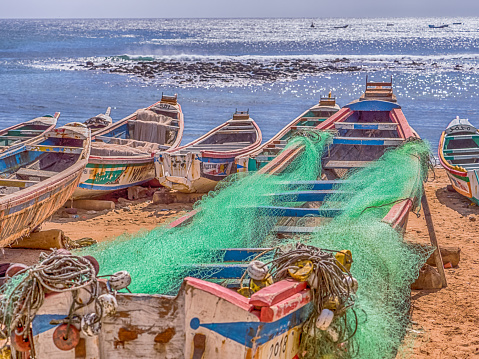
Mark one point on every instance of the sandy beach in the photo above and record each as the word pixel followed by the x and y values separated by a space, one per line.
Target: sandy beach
pixel 446 321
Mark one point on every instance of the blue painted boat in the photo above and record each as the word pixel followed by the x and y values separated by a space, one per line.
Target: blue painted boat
pixel 39 177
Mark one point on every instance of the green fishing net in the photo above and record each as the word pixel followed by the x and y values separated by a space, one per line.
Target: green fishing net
pixel 384 265
pixel 227 218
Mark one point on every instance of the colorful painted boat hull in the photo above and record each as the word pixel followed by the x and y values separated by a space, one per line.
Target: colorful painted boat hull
pixel 205 320
pixel 23 211
pixel 108 173
pixel 101 176
pixel 201 164
pixel 464 177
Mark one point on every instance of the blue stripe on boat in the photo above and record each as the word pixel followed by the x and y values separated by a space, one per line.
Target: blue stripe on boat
pixel 109 187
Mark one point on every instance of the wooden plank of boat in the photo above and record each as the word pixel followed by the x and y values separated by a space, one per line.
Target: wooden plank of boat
pixel 47 148
pixel 294 229
pixel 313 185
pixel 29 172
pixel 303 196
pixel 276 211
pixel 462 150
pixel 330 164
pixel 366 126
pixel 6 182
pixel 368 141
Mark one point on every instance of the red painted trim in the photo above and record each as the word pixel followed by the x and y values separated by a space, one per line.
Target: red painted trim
pixel 398 213
pixel 220 292
pixel 276 292
pixel 339 116
pixel 178 222
pixel 404 129
pixel 285 307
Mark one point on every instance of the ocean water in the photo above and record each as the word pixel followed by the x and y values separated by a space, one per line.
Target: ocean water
pixel 42 68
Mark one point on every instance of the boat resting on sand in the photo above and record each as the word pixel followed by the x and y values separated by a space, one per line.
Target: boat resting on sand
pixel 364 129
pixel 259 157
pixel 100 121
pixel 122 153
pixel 459 155
pixel 39 177
pixel 204 320
pixel 25 132
pixel 201 164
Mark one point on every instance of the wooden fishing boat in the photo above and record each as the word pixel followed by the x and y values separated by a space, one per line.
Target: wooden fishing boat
pixel 122 153
pixel 459 155
pixel 364 129
pixel 25 132
pixel 259 157
pixel 438 26
pixel 100 121
pixel 39 177
pixel 201 164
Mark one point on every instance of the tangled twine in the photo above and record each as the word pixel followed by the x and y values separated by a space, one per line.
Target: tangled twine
pixel 23 294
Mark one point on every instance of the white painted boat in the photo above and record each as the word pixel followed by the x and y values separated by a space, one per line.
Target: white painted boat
pixel 201 164
pixel 259 157
pixel 459 155
pixel 122 153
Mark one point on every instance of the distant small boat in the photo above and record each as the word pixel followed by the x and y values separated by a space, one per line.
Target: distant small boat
pixel 438 27
pixel 389 24
pixel 25 132
pixel 459 155
pixel 312 24
pixel 122 153
pixel 100 121
pixel 341 27
pixel 39 177
pixel 457 23
pixel 201 164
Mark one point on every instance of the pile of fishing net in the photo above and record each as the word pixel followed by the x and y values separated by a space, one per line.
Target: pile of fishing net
pixel 384 265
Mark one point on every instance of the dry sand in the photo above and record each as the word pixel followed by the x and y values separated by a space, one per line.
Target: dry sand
pixel 446 321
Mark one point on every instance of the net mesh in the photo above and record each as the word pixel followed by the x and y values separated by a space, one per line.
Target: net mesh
pixel 384 264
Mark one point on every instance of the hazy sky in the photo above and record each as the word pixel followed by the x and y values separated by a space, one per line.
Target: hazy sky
pixel 234 8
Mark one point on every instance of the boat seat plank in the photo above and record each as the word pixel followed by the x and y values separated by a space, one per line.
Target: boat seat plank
pixel 462 137
pixel 365 126
pixel 315 119
pixel 313 185
pixel 294 229
pixel 235 131
pixel 27 172
pixel 331 164
pixel 462 157
pixel 64 149
pixel 8 182
pixel 302 127
pixel 8 137
pixel 216 271
pixel 247 127
pixel 241 254
pixel 274 211
pixel 371 141
pixel 25 132
pixel 303 196
pixel 462 150
pixel 468 166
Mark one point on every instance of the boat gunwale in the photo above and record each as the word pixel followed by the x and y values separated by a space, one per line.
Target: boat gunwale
pixel 455 170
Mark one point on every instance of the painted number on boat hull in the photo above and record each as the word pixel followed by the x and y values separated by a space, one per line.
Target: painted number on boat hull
pixel 285 346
